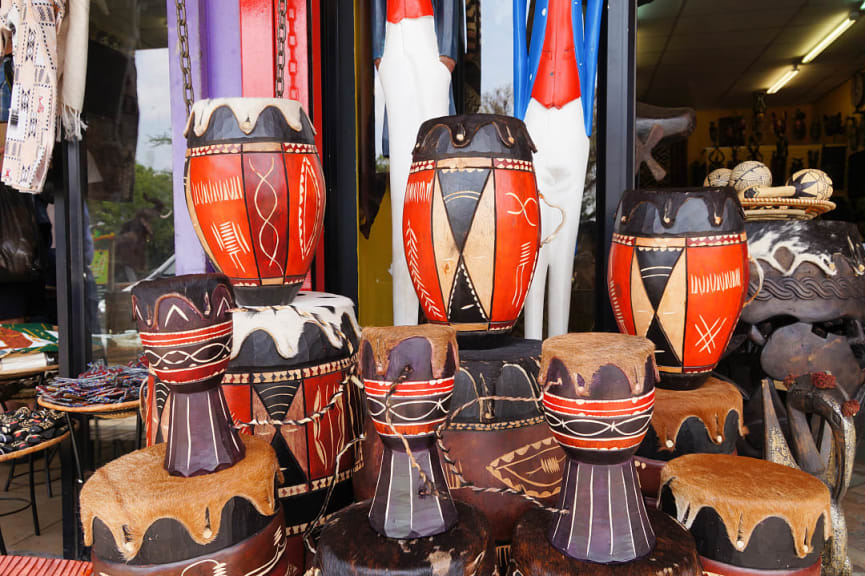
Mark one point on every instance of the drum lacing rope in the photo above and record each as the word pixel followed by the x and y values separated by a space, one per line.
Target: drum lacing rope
pixel 428 487
pixel 307 535
pixel 317 415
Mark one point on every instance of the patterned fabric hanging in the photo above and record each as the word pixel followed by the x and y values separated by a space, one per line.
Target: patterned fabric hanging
pixel 49 39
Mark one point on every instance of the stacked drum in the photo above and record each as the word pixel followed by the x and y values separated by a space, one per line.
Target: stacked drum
pixel 471 234
pixel 229 517
pixel 678 275
pixel 256 196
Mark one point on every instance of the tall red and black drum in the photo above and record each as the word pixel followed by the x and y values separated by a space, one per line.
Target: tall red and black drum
pixel 678 275
pixel 471 221
pixel 255 192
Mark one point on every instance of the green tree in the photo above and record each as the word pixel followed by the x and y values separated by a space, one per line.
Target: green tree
pixel 147 216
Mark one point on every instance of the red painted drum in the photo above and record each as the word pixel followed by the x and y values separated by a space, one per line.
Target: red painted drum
pixel 678 275
pixel 255 192
pixel 470 221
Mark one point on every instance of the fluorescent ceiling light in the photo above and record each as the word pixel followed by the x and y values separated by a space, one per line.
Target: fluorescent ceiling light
pixel 825 42
pixel 862 7
pixel 782 81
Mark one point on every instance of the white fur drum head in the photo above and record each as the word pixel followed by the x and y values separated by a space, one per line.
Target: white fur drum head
pixel 718 177
pixel 750 173
pixel 811 183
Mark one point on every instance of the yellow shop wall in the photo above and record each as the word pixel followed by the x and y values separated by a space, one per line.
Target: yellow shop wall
pixel 374 284
pixel 835 101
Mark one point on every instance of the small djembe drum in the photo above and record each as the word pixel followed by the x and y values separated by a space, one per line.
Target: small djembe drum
pixel 422 363
pixel 408 374
pixel 599 390
pixel 748 516
pixel 678 275
pixel 186 330
pixel 498 439
pixel 703 421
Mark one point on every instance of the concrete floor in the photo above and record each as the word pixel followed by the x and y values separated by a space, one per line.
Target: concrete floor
pixel 119 435
pixel 116 437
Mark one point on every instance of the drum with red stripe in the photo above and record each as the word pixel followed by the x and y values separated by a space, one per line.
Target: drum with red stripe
pixel 678 275
pixel 408 374
pixel 186 329
pixel 255 192
pixel 599 392
pixel 471 221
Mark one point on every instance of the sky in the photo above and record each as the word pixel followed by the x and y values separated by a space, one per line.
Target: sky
pixel 154 113
pixel 497 44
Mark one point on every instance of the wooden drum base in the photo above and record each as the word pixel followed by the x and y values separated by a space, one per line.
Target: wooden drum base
pixel 348 545
pixel 533 555
pixel 713 568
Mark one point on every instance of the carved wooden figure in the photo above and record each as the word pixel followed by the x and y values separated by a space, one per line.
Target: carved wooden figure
pixel 471 221
pixel 813 272
pixel 186 330
pixel 415 51
pixel 255 192
pixel 678 275
pixel 554 85
pixel 832 461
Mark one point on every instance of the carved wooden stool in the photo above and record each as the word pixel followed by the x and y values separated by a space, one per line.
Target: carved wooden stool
pixel 533 554
pixel 707 420
pixel 748 516
pixel 412 524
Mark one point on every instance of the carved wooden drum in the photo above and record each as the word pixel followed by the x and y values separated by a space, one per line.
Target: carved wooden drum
pixel 186 330
pixel 288 383
pixel 598 400
pixel 412 525
pixel 678 275
pixel 471 221
pixel 408 374
pixel 748 516
pixel 707 420
pixel 499 439
pixel 255 192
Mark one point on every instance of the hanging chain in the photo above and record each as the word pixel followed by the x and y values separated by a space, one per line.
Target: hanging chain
pixel 185 62
pixel 281 35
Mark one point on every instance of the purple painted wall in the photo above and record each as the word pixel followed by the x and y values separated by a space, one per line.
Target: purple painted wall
pixel 214 46
pixel 222 54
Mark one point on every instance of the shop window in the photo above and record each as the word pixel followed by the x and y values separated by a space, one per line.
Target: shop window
pixel 129 182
